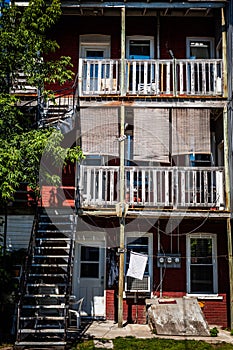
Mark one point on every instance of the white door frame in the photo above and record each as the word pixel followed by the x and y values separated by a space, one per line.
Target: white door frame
pixel 89 239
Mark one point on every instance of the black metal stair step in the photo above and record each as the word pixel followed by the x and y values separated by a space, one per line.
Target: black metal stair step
pixel 40 343
pixel 49 265
pixel 47 275
pixel 43 330
pixel 50 256
pixel 52 239
pixel 51 248
pixel 44 231
pixel 44 295
pixel 55 306
pixel 49 285
pixel 42 318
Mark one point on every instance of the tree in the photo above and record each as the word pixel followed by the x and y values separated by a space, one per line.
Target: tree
pixel 25 46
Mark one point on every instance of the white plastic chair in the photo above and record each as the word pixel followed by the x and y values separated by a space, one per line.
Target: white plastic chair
pixel 76 312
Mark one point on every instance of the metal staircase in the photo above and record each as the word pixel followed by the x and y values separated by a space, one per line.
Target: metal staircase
pixel 46 282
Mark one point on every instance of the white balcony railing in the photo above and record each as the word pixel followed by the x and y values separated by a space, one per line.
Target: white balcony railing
pixel 153 186
pixel 181 77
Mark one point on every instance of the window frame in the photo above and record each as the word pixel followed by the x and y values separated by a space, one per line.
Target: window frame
pixel 201 235
pixel 140 37
pixel 95 42
pixel 206 39
pixel 136 235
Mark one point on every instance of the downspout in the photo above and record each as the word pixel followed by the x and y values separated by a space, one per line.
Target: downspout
pixel 158 35
pixel 224 52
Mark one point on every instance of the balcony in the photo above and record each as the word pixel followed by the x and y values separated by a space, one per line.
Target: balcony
pixel 162 78
pixel 157 187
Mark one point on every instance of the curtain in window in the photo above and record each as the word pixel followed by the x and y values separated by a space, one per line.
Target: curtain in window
pixel 151 134
pixel 99 131
pixel 190 131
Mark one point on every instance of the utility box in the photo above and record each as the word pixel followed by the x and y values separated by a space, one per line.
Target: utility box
pixel 172 261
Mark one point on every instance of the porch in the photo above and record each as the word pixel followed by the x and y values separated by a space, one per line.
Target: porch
pixel 152 77
pixel 159 187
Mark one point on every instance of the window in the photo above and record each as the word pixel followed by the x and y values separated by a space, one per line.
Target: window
pixel 139 243
pixel 200 48
pixel 139 47
pixel 201 264
pixel 89 262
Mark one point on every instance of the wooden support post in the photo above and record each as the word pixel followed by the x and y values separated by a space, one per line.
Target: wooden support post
pixel 228 201
pixel 122 80
pixel 230 266
pixel 224 53
pixel 122 220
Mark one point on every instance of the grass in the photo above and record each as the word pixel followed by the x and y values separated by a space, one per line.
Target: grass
pixel 131 343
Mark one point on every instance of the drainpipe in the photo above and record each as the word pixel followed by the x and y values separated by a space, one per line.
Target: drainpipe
pixel 227 191
pixel 224 52
pixel 158 35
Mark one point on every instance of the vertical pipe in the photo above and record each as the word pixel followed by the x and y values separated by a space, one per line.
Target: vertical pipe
pixel 224 52
pixel 123 51
pixel 158 35
pixel 122 221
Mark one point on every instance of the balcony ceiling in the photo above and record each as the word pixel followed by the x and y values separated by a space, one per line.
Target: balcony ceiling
pixel 198 8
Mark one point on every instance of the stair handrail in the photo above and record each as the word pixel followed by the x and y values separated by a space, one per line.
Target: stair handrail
pixel 25 269
pixel 70 272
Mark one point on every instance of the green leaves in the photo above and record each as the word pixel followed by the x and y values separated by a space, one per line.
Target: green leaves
pixel 25 44
pixel 26 155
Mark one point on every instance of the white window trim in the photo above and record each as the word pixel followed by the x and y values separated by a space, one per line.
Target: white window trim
pixel 94 42
pixel 214 259
pixel 140 37
pixel 150 250
pixel 207 39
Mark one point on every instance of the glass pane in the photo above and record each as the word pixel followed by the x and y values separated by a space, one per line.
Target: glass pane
pixel 95 54
pixel 201 279
pixel 200 49
pixel 201 250
pixel 89 270
pixel 139 48
pixel 89 253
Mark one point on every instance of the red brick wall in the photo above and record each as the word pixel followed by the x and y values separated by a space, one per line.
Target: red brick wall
pixel 215 311
pixel 133 311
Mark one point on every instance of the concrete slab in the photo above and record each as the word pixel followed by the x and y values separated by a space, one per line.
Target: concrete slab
pixel 181 316
pixel 109 330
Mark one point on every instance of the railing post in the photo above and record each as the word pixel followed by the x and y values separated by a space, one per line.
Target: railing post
pixel 80 74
